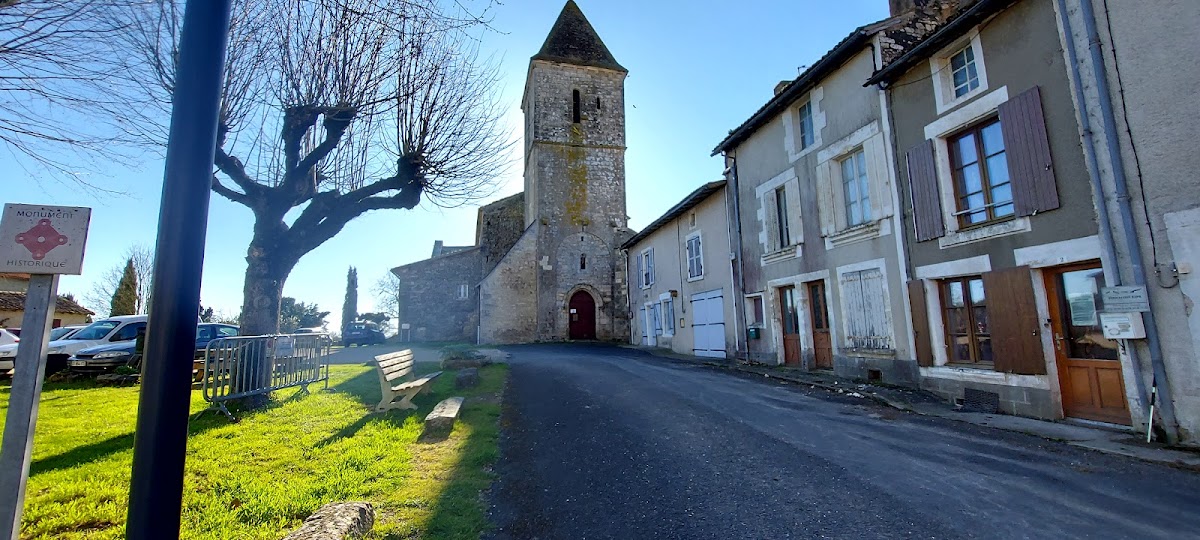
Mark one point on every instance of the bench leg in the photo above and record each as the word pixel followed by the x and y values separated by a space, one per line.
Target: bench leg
pixel 406 403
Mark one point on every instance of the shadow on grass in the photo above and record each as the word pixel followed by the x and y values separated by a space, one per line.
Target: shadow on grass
pixel 365 387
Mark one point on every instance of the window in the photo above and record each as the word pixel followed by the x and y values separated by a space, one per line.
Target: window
pixel 668 312
pixel 575 106
pixel 692 220
pixel 695 258
pixel 583 261
pixel 226 331
pixel 963 74
pixel 806 126
pixel 128 332
pixel 980 169
pixel 463 291
pixel 782 232
pixel 755 314
pixel 204 333
pixel 856 189
pixel 864 303
pixel 646 268
pixel 964 306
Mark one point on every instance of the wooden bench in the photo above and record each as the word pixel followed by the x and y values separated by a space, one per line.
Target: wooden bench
pixel 396 381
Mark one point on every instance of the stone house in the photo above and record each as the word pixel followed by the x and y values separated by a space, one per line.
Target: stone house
pixel 998 215
pixel 821 264
pixel 1137 130
pixel 680 282
pixel 560 277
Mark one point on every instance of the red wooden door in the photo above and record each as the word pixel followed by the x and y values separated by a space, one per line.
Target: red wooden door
pixel 790 322
pixel 582 315
pixel 1089 368
pixel 822 348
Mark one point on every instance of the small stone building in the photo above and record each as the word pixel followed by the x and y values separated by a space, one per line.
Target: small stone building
pixel 545 265
pixel 12 304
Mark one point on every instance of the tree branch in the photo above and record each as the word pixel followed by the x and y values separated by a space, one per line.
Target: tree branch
pixel 230 194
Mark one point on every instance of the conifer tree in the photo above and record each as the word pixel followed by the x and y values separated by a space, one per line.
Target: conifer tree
pixel 350 307
pixel 125 299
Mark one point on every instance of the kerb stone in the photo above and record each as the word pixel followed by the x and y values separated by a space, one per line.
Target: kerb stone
pixel 337 521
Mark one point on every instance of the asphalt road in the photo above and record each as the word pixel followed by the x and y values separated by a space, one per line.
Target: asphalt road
pixel 602 442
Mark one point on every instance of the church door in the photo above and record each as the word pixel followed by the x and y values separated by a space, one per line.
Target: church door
pixel 582 312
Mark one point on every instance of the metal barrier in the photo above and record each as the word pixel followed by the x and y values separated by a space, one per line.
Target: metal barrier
pixel 238 367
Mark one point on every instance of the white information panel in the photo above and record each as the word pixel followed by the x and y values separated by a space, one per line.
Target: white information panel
pixel 36 239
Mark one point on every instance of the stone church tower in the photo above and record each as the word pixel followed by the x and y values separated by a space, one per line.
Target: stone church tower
pixel 564 277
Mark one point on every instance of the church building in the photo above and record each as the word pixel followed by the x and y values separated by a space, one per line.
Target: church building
pixel 546 264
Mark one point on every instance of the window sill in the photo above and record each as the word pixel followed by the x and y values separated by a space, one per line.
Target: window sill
pixel 985 232
pixel 790 252
pixel 982 366
pixel 857 233
pixel 696 278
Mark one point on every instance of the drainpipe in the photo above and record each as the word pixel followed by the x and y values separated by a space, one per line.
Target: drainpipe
pixel 1166 405
pixel 740 282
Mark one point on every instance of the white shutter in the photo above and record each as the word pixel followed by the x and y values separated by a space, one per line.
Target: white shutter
pixel 875 151
pixel 795 223
pixel 640 280
pixel 650 266
pixel 825 198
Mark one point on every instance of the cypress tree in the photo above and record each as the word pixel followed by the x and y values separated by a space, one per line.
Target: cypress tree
pixel 125 298
pixel 350 307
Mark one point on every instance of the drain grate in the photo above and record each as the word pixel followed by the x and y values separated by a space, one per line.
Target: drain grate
pixel 980 401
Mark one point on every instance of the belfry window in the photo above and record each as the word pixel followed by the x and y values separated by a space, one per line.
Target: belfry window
pixel 575 106
pixel 583 261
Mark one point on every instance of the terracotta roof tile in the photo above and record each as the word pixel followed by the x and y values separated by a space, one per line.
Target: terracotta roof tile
pixel 15 301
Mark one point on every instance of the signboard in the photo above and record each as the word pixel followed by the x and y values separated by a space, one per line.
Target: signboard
pixel 36 239
pixel 1125 299
pixel 1123 325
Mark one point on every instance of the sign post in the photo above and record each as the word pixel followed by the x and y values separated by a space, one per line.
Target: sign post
pixel 43 241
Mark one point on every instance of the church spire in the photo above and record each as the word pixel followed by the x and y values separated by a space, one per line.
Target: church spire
pixel 574 41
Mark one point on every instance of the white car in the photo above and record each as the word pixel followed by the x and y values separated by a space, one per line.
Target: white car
pixel 104 331
pixel 8 338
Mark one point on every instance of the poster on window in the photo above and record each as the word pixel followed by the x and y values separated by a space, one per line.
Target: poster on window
pixel 1083 309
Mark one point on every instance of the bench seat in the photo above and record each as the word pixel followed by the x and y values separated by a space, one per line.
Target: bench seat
pixel 396 381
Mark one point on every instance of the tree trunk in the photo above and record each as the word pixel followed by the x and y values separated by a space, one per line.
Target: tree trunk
pixel 266 270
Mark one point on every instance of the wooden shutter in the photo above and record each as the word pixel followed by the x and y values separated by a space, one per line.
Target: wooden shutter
pixel 1013 322
pixel 880 181
pixel 922 343
pixel 640 278
pixel 825 198
pixel 795 223
pixel 926 198
pixel 1028 150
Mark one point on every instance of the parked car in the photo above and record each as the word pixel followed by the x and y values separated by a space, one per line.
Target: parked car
pixel 362 333
pixel 64 332
pixel 102 332
pixel 8 338
pixel 310 330
pixel 207 332
pixel 108 357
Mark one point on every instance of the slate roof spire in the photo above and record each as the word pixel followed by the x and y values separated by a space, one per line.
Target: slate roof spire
pixel 572 40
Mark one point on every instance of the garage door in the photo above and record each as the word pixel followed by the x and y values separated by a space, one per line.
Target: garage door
pixel 708 324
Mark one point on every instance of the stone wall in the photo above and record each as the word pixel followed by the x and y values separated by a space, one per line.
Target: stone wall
pixel 430 300
pixel 500 226
pixel 507 295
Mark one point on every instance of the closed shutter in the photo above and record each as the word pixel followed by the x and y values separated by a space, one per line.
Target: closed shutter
pixel 1028 151
pixel 795 223
pixel 1013 322
pixel 923 343
pixel 650 267
pixel 875 152
pixel 770 208
pixel 641 280
pixel 825 198
pixel 926 198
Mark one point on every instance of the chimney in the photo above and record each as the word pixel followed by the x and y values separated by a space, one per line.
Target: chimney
pixel 779 87
pixel 900 7
pixel 437 248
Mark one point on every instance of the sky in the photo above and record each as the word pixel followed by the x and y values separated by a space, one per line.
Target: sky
pixel 697 69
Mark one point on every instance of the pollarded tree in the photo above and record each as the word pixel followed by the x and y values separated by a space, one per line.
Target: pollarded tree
pixel 332 109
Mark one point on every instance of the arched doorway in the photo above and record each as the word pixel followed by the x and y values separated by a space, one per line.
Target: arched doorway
pixel 582 316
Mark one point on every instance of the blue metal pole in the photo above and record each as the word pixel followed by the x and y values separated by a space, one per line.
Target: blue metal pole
pixel 160 442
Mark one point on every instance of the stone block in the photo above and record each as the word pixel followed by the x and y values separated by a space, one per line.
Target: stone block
pixel 467 378
pixel 442 418
pixel 337 521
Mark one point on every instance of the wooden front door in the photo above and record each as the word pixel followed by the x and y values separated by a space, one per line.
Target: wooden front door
pixel 582 314
pixel 819 325
pixel 1089 368
pixel 790 323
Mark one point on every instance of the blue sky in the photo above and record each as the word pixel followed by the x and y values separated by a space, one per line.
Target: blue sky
pixel 696 70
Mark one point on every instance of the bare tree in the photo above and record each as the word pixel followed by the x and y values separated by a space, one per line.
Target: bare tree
pixel 60 98
pixel 335 108
pixel 387 296
pixel 100 297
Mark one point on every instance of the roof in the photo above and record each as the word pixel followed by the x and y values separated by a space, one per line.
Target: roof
pixel 954 27
pixel 14 275
pixel 844 50
pixel 15 301
pixel 572 40
pixel 689 202
pixel 469 250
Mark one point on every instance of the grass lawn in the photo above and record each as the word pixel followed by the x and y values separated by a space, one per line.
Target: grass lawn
pixel 260 477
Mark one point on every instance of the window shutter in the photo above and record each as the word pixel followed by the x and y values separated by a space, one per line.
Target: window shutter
pixel 825 198
pixel 795 223
pixel 877 173
pixel 1028 150
pixel 1013 322
pixel 650 267
pixel 640 280
pixel 926 198
pixel 922 344
pixel 770 221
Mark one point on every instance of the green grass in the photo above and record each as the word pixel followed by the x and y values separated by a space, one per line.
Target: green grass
pixel 260 477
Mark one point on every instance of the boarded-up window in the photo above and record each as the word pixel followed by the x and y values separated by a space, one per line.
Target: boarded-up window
pixel 865 304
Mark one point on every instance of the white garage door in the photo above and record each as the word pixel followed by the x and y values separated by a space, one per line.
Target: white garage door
pixel 708 324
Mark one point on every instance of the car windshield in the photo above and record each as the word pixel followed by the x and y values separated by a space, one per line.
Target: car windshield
pixel 96 330
pixel 60 332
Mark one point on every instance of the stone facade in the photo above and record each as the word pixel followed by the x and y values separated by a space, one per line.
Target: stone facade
pixel 432 302
pixel 537 250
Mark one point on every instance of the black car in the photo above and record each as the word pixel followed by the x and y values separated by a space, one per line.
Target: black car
pixel 362 333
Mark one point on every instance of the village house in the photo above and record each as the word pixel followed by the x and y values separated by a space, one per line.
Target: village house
pixel 12 304
pixel 546 265
pixel 680 279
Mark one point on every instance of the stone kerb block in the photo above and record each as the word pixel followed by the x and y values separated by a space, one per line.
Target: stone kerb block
pixel 337 521
pixel 467 378
pixel 442 418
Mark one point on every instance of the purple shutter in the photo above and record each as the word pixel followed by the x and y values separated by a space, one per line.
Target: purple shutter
pixel 923 186
pixel 1028 151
